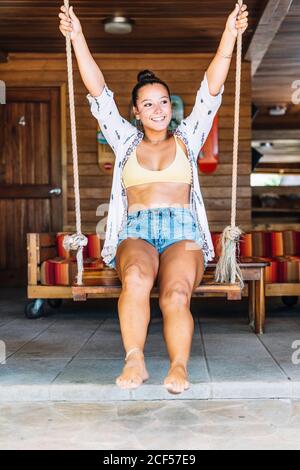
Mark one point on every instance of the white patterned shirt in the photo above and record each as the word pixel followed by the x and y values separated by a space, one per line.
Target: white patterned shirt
pixel 123 137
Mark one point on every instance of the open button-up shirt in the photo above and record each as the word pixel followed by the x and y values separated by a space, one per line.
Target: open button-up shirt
pixel 123 137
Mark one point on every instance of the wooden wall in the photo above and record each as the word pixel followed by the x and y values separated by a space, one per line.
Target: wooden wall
pixel 183 73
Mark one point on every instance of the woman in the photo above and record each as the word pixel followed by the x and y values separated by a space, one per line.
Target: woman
pixel 157 228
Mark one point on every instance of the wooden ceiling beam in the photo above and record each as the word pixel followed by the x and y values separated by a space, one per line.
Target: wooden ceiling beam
pixel 268 26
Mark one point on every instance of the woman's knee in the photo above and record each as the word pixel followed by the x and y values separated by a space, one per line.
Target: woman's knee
pixel 137 276
pixel 136 261
pixel 178 293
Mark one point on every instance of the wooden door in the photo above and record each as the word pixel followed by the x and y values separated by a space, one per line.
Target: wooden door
pixel 30 174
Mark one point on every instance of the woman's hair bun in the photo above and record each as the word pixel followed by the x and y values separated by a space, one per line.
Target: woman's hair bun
pixel 145 75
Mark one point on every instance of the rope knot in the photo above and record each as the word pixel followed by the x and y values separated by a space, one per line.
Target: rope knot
pixel 75 241
pixel 227 269
pixel 233 233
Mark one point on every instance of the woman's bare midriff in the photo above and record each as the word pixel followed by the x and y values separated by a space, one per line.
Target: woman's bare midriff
pixel 162 194
pixel 149 196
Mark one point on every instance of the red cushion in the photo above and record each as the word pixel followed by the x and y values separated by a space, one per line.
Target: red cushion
pixel 62 272
pixel 288 269
pixel 92 250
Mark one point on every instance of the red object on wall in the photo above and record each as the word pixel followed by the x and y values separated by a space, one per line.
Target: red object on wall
pixel 209 155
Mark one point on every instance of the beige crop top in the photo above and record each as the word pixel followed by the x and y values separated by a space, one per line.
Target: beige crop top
pixel 178 172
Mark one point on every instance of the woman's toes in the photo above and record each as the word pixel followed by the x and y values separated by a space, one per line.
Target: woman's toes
pixel 133 375
pixel 173 388
pixel 176 381
pixel 119 382
pixel 133 383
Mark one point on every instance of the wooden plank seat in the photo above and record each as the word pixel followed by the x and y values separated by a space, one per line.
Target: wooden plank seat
pixel 106 281
pixel 89 289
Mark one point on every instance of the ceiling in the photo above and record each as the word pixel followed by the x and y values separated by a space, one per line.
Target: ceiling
pixel 160 25
pixel 279 70
pixel 281 63
pixel 275 83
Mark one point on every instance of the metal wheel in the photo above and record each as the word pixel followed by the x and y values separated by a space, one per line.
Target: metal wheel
pixel 35 309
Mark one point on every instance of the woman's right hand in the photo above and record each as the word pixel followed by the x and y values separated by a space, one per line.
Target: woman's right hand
pixel 71 24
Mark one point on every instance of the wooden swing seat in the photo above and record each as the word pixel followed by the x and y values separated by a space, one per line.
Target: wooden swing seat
pixel 88 290
pixel 106 284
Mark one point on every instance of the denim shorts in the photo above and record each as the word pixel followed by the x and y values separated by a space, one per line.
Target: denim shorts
pixel 161 227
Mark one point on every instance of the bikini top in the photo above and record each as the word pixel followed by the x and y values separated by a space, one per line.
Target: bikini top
pixel 178 172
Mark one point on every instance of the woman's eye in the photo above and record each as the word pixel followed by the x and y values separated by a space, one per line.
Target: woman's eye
pixel 164 102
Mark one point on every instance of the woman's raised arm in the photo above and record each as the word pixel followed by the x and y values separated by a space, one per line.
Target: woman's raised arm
pixel 219 67
pixel 89 70
pixel 114 127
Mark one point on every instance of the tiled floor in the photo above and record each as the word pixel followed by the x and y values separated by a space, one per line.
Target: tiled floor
pixel 75 353
pixel 57 387
pixel 152 425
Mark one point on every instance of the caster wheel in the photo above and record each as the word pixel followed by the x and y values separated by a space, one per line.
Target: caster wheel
pixel 54 303
pixel 289 301
pixel 35 309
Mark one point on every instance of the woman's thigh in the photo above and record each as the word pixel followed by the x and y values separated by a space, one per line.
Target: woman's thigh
pixel 138 253
pixel 181 266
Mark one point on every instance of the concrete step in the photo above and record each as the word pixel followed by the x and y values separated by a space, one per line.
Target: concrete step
pixel 93 393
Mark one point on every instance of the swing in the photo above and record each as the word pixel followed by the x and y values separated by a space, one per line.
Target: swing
pixel 228 276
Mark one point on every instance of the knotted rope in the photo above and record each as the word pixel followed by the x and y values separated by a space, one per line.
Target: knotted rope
pixel 76 241
pixel 227 269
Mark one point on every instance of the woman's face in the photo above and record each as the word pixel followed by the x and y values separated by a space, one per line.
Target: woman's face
pixel 154 107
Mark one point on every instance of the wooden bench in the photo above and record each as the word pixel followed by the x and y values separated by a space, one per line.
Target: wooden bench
pixel 43 246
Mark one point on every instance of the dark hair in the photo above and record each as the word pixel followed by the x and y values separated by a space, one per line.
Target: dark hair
pixel 146 77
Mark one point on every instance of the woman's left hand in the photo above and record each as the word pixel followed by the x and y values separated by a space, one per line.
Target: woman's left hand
pixel 237 20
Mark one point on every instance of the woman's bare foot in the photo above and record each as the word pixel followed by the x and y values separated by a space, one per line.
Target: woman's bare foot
pixel 177 379
pixel 134 372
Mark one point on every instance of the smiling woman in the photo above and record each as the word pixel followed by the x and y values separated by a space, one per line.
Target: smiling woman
pixel 167 239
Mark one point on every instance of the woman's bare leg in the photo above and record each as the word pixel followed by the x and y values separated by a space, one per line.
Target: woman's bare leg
pixel 180 271
pixel 137 265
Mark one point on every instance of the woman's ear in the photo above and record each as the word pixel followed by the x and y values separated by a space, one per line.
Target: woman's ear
pixel 136 113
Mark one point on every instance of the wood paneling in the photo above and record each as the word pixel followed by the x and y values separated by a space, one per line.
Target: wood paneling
pixel 183 73
pixel 159 25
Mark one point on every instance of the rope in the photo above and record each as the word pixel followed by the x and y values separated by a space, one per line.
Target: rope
pixel 236 123
pixel 76 241
pixel 227 269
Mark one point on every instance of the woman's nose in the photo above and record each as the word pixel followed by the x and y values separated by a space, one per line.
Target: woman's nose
pixel 158 108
